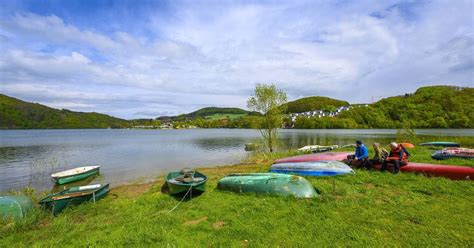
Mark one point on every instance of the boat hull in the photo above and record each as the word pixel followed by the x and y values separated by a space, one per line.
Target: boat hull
pixel 14 207
pixel 441 143
pixel 268 183
pixel 176 187
pixel 77 177
pixel 326 168
pixel 448 171
pixel 56 206
pixel 436 170
pixel 326 156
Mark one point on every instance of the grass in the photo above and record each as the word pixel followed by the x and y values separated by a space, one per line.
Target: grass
pixel 366 209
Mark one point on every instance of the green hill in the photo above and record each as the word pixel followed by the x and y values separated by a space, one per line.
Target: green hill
pixel 428 107
pixel 15 113
pixel 313 103
pixel 213 113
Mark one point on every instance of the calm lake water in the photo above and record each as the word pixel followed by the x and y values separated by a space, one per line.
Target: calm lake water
pixel 28 157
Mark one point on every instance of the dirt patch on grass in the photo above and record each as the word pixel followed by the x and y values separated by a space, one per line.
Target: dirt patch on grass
pixel 218 225
pixel 369 186
pixel 195 222
pixel 132 191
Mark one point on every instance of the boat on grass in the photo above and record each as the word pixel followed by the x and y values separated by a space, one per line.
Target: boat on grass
pixel 75 174
pixel 268 183
pixel 186 180
pixel 319 168
pixel 454 172
pixel 317 148
pixel 74 196
pixel 325 156
pixel 407 145
pixel 453 152
pixel 441 143
pixel 14 206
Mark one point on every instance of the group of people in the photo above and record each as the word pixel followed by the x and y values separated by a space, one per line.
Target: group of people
pixel 396 157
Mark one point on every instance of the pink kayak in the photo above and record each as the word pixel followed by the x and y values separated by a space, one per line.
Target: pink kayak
pixel 326 156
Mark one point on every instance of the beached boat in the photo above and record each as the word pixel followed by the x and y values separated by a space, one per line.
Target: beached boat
pixel 326 156
pixel 268 183
pixel 437 170
pixel 74 196
pixel 14 207
pixel 441 143
pixel 407 145
pixel 75 174
pixel 453 152
pixel 318 148
pixel 448 171
pixel 186 180
pixel 321 168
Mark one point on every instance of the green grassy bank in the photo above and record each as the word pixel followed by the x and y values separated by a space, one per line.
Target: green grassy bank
pixel 366 209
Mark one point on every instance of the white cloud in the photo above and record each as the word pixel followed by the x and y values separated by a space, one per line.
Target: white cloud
pixel 213 54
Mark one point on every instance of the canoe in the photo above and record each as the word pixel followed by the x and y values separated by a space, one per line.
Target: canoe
pixel 268 183
pixel 75 174
pixel 441 143
pixel 186 180
pixel 452 152
pixel 318 148
pixel 321 168
pixel 448 171
pixel 407 145
pixel 437 170
pixel 74 196
pixel 326 156
pixel 14 207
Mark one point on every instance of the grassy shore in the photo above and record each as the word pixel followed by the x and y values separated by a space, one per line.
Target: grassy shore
pixel 366 209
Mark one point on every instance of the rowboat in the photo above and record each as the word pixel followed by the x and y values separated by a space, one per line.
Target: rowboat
pixel 451 152
pixel 326 156
pixel 74 196
pixel 321 168
pixel 318 148
pixel 75 174
pixel 14 207
pixel 268 183
pixel 441 143
pixel 186 180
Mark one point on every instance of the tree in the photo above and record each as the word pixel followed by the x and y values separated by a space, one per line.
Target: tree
pixel 267 100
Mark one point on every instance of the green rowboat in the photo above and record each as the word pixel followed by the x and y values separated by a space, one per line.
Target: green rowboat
pixel 75 174
pixel 185 181
pixel 268 183
pixel 73 196
pixel 14 207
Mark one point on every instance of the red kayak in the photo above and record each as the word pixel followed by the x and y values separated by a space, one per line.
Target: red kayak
pixel 327 156
pixel 449 171
pixel 438 170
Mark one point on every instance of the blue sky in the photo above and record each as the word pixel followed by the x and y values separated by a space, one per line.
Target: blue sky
pixel 136 59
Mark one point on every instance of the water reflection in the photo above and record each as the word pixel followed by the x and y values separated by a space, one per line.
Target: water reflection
pixel 29 157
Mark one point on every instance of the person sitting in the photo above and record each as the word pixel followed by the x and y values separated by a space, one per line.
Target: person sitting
pixel 359 159
pixel 398 157
pixel 379 157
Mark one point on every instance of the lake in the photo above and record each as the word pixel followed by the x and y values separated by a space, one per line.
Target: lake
pixel 28 157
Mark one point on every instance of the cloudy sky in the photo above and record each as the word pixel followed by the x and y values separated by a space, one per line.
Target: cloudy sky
pixel 135 59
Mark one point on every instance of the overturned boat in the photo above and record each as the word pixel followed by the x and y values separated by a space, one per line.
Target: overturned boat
pixel 318 168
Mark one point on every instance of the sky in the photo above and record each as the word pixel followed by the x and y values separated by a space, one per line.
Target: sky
pixel 143 59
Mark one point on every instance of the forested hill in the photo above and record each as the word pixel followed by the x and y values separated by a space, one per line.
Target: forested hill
pixel 15 113
pixel 213 111
pixel 313 103
pixel 428 107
